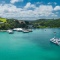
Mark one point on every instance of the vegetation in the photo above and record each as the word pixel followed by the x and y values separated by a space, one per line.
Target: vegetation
pixel 3 20
pixel 41 23
pixel 13 23
pixel 46 23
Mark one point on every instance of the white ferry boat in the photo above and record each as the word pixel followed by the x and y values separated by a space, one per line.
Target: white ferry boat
pixel 19 29
pixel 14 29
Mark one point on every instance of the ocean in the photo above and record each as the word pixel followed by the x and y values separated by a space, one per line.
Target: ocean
pixel 35 45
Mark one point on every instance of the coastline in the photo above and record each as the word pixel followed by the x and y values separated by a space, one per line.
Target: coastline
pixel 3 30
pixel 32 28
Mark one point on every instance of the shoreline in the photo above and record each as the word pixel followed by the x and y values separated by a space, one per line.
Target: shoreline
pixel 33 28
pixel 3 30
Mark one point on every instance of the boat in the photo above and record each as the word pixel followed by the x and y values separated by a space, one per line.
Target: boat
pixel 55 41
pixel 30 30
pixel 10 31
pixel 19 29
pixel 25 31
pixel 14 29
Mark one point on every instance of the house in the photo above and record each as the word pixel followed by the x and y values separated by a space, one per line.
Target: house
pixel 1 22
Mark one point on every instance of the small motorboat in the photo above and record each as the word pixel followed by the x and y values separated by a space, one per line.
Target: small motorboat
pixel 55 41
pixel 25 31
pixel 10 31
pixel 54 32
pixel 30 30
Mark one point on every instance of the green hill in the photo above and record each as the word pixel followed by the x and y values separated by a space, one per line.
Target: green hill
pixel 46 23
pixel 3 20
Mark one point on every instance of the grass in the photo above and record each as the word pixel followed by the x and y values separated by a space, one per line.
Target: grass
pixel 3 20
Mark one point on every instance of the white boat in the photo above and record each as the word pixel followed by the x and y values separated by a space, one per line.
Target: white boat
pixel 55 41
pixel 14 29
pixel 19 29
pixel 10 31
pixel 25 31
pixel 30 30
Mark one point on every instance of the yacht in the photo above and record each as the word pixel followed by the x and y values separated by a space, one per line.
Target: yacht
pixel 55 41
pixel 10 31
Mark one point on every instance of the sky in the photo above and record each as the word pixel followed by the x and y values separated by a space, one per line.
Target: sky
pixel 30 9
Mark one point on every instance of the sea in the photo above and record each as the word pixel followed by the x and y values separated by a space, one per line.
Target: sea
pixel 34 45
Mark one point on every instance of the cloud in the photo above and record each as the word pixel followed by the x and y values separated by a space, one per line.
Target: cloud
pixel 44 10
pixel 57 8
pixel 50 3
pixel 29 5
pixel 28 12
pixel 55 3
pixel 39 3
pixel 14 1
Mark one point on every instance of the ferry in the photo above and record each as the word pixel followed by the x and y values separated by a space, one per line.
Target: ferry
pixel 14 29
pixel 19 29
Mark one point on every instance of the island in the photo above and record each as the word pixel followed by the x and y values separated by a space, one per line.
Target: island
pixel 6 24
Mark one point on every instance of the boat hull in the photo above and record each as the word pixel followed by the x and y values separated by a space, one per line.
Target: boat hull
pixel 54 43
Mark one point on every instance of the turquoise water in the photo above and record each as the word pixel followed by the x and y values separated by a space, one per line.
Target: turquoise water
pixel 29 46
